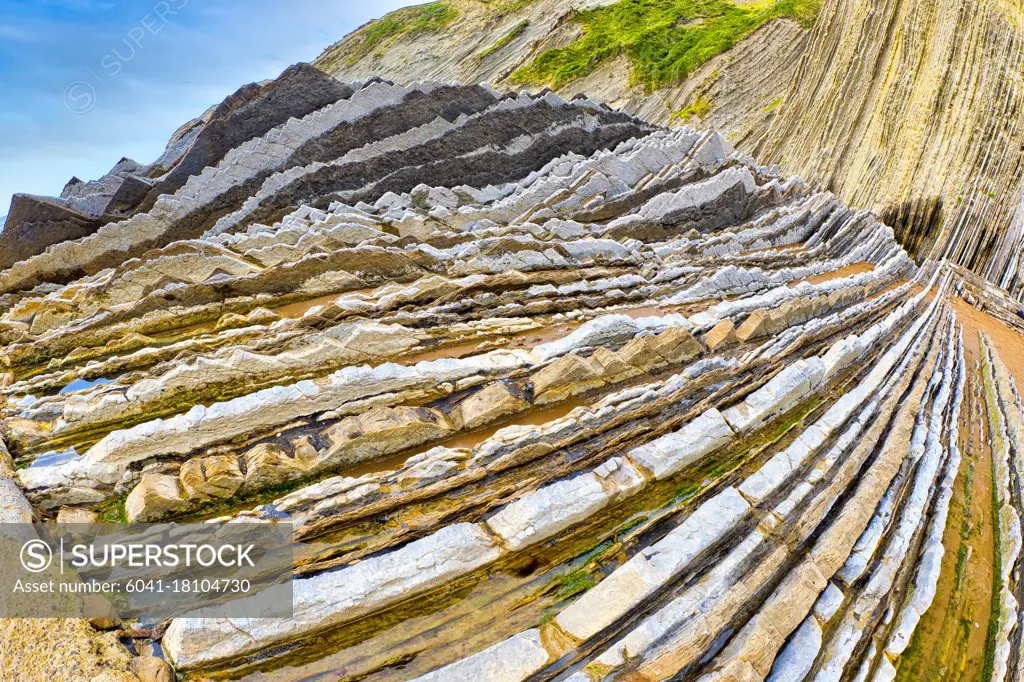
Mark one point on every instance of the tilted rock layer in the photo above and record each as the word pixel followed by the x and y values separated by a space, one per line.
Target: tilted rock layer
pixel 910 109
pixel 547 392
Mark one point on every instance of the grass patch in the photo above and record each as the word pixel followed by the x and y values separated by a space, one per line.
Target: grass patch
pixel 590 563
pixel 997 445
pixel 407 21
pixel 685 493
pixel 997 569
pixel 965 527
pixel 113 510
pixel 572 584
pixel 961 566
pixel 635 523
pixel 664 40
pixel 516 31
pixel 503 7
pixel 549 614
pixel 773 105
pixel 699 109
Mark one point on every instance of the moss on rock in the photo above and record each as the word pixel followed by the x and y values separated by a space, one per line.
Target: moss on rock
pixel 665 40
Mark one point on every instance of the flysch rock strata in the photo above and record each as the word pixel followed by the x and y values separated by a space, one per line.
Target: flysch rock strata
pixel 1004 410
pixel 822 89
pixel 34 223
pixel 545 391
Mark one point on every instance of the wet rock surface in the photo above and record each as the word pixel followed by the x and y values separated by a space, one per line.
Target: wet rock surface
pixel 547 392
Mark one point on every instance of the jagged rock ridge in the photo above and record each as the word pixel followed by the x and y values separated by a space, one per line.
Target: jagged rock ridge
pixel 909 109
pixel 547 391
pixel 34 223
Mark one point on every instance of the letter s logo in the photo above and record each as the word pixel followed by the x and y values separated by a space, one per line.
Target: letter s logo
pixel 36 556
pixel 79 97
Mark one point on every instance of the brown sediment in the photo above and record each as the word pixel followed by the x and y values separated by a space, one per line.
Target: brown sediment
pixel 845 271
pixel 182 333
pixel 376 466
pixel 782 248
pixel 553 332
pixel 1008 342
pixel 300 308
pixel 535 337
pixel 949 642
pixel 521 340
pixel 889 287
pixel 530 418
pixel 440 352
pixel 651 311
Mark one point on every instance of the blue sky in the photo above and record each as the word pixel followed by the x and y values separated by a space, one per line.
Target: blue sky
pixel 85 82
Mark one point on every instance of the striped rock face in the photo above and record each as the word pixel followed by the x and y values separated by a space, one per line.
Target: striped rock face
pixel 547 392
pixel 869 99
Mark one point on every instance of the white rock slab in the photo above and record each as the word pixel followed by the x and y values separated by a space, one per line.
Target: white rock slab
pixel 331 598
pixel 639 577
pixel 512 660
pixel 670 453
pixel 553 508
pixel 783 391
pixel 797 657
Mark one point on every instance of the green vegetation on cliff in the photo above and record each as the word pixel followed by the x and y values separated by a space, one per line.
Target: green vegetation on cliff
pixel 516 31
pixel 407 21
pixel 698 109
pixel 664 39
pixel 501 8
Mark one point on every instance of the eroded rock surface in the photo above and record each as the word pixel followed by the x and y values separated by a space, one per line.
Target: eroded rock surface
pixel 546 391
pixel 870 100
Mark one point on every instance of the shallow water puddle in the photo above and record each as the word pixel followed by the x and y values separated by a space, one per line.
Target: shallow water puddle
pixel 889 287
pixel 54 458
pixel 82 384
pixel 522 340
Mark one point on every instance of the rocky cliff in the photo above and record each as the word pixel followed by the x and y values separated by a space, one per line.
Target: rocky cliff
pixel 906 108
pixel 547 392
